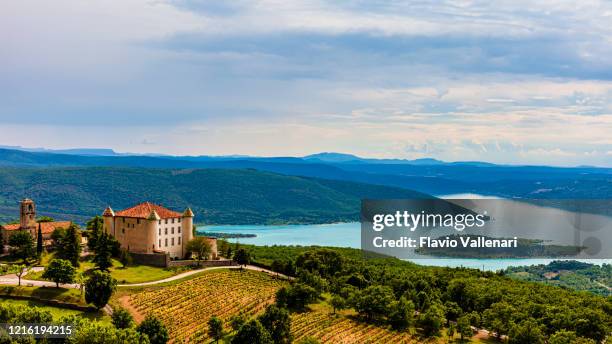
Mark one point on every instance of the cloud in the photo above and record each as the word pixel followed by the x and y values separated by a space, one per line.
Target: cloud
pixel 457 80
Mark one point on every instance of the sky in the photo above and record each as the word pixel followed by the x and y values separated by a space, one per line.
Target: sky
pixel 514 82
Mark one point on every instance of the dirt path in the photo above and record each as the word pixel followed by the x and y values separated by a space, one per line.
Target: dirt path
pixel 125 303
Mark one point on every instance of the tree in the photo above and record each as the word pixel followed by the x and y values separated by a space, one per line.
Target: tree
pixel 432 320
pixel 70 245
pixel 296 296
pixel 242 256
pixel 252 333
pixel 464 327
pixel 80 279
pixel 452 310
pixel 20 270
pixel 23 245
pixel 125 258
pixel 200 247
pixel 103 252
pixel 402 313
pixel 122 319
pixel 59 271
pixel 568 337
pixel 39 241
pixel 236 321
pixel 57 235
pixel 99 288
pixel 450 331
pixel 44 219
pixel 215 328
pixel 527 332
pixel 337 302
pixel 94 228
pixel 277 322
pixel 373 302
pixel 154 329
pixel 498 318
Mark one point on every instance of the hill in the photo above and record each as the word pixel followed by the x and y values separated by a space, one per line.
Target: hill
pixel 423 175
pixel 217 196
pixel 569 274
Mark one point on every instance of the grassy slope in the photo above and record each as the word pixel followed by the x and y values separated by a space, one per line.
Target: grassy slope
pixel 57 312
pixel 216 196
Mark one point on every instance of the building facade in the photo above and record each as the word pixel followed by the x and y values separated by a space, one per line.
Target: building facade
pixel 150 228
pixel 27 222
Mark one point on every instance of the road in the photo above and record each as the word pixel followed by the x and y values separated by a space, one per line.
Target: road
pixel 12 279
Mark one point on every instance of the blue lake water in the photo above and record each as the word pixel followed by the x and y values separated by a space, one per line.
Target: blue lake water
pixel 349 235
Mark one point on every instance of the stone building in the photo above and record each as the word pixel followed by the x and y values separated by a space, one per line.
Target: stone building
pixel 149 228
pixel 27 222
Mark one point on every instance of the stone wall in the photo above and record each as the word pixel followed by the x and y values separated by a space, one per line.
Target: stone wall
pixel 204 263
pixel 153 259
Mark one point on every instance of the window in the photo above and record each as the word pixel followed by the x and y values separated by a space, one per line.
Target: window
pixel 172 220
pixel 166 221
pixel 137 221
pixel 172 230
pixel 166 231
pixel 179 240
pixel 159 231
pixel 160 222
pixel 123 218
pixel 159 242
pixel 179 220
pixel 166 242
pixel 172 241
pixel 122 230
pixel 179 230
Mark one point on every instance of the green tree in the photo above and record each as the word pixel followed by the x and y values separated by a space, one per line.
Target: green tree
pixel 94 227
pixel 452 310
pixel 252 333
pixel 337 302
pixel 568 337
pixel 296 296
pixel 70 245
pixel 20 270
pixel 464 328
pixel 22 245
pixel 236 321
pixel 215 328
pixel 527 332
pixel 277 322
pixel 125 258
pixel 96 332
pixel 373 302
pixel 154 329
pixel 39 241
pixel 200 247
pixel 44 219
pixel 122 318
pixel 57 235
pixel 401 313
pixel 450 331
pixel 99 288
pixel 59 271
pixel 242 256
pixel 103 253
pixel 432 320
pixel 498 318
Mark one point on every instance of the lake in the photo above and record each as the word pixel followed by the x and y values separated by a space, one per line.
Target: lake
pixel 349 235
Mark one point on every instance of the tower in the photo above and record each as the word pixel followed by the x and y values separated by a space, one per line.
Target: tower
pixel 27 214
pixel 187 229
pixel 109 221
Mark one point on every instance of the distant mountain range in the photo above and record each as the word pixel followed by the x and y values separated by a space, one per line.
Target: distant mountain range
pixel 424 175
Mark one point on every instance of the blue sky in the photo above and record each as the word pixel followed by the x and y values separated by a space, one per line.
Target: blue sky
pixel 521 82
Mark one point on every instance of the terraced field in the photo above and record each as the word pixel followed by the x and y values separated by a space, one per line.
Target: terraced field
pixel 331 329
pixel 186 307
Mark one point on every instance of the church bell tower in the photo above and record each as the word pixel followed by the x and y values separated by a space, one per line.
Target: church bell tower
pixel 27 214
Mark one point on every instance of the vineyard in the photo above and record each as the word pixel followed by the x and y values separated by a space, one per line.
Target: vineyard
pixel 328 328
pixel 186 307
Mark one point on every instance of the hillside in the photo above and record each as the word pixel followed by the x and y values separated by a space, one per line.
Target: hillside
pixel 424 175
pixel 569 274
pixel 217 196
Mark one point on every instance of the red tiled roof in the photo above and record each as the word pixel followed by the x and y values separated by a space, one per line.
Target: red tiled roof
pixel 143 210
pixel 46 227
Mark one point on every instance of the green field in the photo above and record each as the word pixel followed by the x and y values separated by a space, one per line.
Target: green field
pixel 130 274
pixel 56 312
